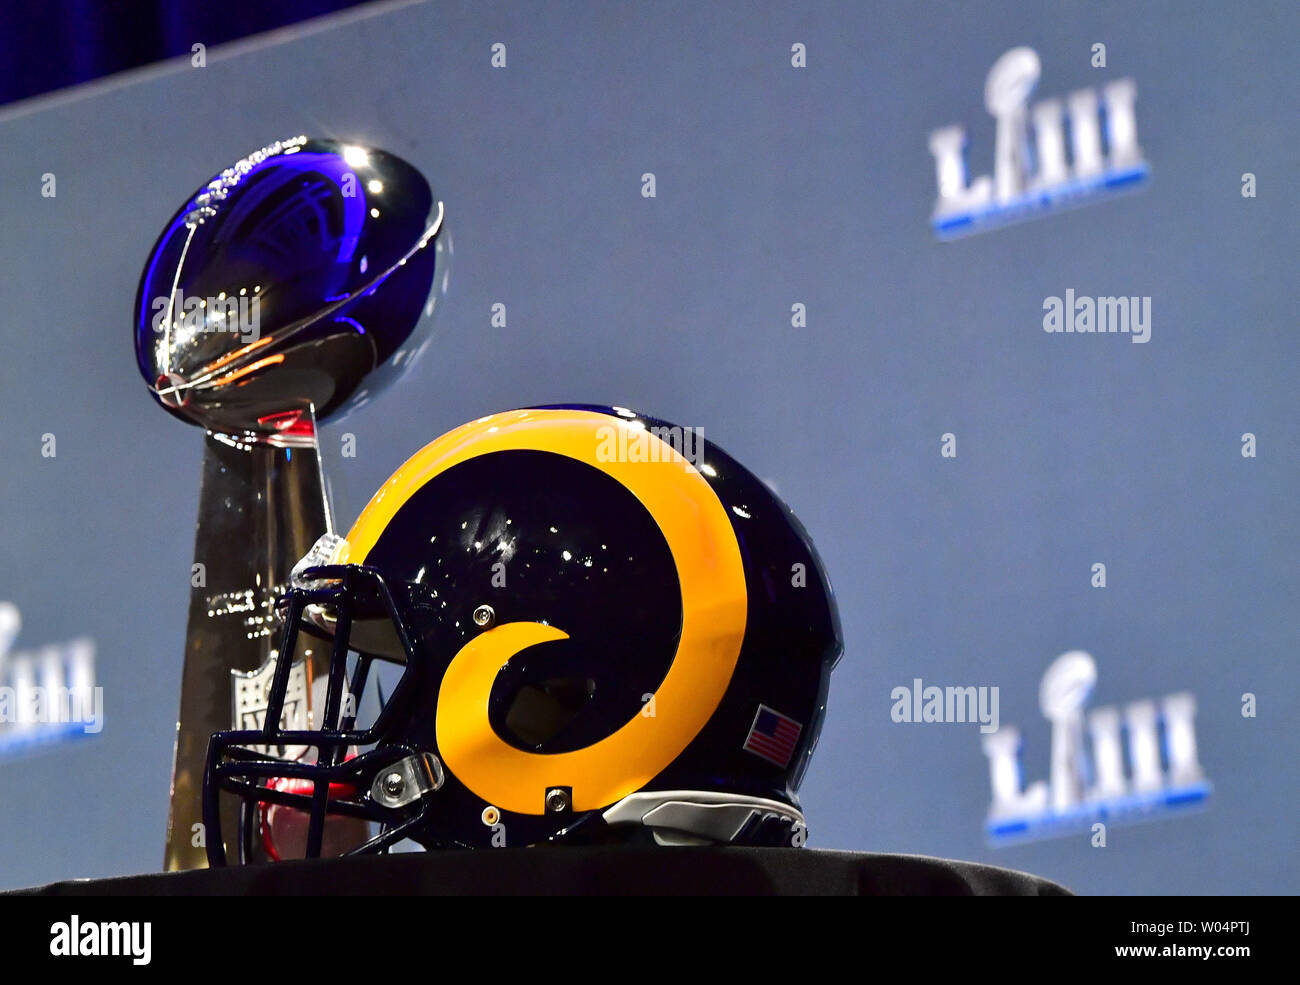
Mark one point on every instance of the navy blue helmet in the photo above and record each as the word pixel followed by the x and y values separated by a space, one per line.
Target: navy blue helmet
pixel 595 626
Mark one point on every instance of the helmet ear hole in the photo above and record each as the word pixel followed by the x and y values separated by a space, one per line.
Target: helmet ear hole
pixel 376 637
pixel 540 711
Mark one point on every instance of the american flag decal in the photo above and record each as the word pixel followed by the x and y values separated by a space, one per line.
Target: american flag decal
pixel 773 736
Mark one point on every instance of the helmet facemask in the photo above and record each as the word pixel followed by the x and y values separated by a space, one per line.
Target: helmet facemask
pixel 387 785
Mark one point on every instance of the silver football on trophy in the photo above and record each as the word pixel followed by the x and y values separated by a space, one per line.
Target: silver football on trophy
pixel 305 276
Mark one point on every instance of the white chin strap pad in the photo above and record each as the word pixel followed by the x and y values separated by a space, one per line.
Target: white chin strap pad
pixel 700 817
pixel 324 551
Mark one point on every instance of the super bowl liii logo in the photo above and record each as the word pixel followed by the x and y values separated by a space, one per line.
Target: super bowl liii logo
pixel 1089 785
pixel 46 695
pixel 1034 177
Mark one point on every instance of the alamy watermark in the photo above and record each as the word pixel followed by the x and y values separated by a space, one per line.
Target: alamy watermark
pixel 1081 314
pixel 659 443
pixel 238 315
pixel 78 708
pixel 77 938
pixel 48 693
pixel 921 703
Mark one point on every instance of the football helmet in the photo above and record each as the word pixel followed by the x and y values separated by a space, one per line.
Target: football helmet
pixel 597 628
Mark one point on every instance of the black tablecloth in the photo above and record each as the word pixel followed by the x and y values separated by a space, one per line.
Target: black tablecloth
pixel 608 870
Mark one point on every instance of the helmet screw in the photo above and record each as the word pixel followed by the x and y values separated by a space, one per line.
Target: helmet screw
pixel 484 616
pixel 394 784
pixel 557 800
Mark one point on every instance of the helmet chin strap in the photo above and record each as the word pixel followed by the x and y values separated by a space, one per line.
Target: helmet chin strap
pixel 705 817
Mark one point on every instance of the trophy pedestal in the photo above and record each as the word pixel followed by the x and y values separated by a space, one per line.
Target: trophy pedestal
pixel 261 507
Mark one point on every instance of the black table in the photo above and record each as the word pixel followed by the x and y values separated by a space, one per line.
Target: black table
pixel 605 870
